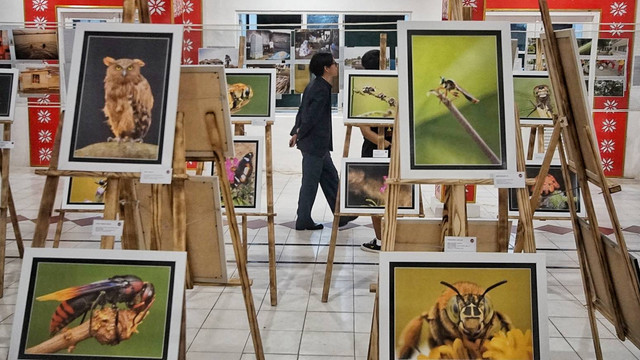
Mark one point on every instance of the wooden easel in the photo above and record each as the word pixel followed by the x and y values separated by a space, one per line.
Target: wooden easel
pixel 609 279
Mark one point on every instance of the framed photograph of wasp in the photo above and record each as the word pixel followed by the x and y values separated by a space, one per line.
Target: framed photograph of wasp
pixel 372 97
pixel 77 303
pixel 463 306
pixel 251 93
pixel 121 100
pixel 456 88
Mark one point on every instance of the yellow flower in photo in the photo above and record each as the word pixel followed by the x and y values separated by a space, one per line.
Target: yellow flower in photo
pixel 455 351
pixel 514 345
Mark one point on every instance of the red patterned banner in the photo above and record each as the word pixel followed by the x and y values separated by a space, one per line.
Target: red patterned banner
pixel 43 122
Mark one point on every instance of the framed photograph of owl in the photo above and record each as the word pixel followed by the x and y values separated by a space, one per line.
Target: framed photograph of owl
pixel 83 193
pixel 122 98
pixel 251 93
pixel 8 93
pixel 457 305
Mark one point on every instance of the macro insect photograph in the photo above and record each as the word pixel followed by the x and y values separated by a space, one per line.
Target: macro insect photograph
pixel 83 192
pixel 372 96
pixel 452 308
pixel 459 98
pixel 121 114
pixel 533 96
pixel 244 172
pixel 251 93
pixel 115 306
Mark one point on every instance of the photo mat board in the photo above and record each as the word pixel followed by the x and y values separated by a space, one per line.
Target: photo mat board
pixel 533 96
pixel 251 93
pixel 372 96
pixel 521 299
pixel 8 93
pixel 144 273
pixel 97 135
pixel 362 188
pixel 434 142
pixel 83 193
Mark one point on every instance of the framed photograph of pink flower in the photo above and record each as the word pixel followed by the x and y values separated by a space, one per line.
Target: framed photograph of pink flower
pixel 363 188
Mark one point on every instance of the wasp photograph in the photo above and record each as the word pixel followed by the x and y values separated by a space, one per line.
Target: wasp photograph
pixel 98 308
pixel 451 308
pixel 372 96
pixel 251 93
pixel 533 96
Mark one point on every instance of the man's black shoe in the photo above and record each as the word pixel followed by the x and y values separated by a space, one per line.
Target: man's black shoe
pixel 310 227
pixel 344 220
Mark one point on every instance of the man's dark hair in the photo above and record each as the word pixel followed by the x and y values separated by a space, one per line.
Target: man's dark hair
pixel 318 62
pixel 371 60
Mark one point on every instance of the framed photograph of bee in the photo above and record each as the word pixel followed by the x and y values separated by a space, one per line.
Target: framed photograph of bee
pixel 251 93
pixel 554 196
pixel 83 193
pixel 463 306
pixel 121 101
pixel 363 188
pixel 372 96
pixel 78 303
pixel 8 93
pixel 456 88
pixel 534 97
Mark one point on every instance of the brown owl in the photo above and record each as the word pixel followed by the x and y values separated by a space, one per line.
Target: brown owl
pixel 127 99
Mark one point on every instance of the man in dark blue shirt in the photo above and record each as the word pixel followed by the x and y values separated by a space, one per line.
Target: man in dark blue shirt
pixel 312 133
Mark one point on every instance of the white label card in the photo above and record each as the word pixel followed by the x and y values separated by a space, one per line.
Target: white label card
pixel 107 227
pixel 509 180
pixel 460 243
pixel 7 144
pixel 380 153
pixel 259 122
pixel 162 176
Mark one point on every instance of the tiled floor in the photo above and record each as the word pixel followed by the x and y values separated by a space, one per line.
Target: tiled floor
pixel 301 326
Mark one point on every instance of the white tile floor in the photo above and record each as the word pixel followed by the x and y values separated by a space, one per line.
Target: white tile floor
pixel 301 326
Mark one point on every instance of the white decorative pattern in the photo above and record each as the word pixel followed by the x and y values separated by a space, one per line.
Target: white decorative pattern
pixel 178 8
pixel 156 7
pixel 44 116
pixel 607 164
pixel 44 154
pixel 618 8
pixel 607 146
pixel 40 22
pixel 45 136
pixel 609 125
pixel 40 5
pixel 610 105
pixel 188 7
pixel 45 100
pixel 188 25
pixel 616 29
pixel 187 61
pixel 471 3
pixel 187 45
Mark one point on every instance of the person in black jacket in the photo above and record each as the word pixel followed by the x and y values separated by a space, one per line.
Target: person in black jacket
pixel 312 133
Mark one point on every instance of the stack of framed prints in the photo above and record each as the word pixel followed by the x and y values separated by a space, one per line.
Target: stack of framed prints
pixel 251 93
pixel 146 286
pixel 8 93
pixel 372 97
pixel 459 121
pixel 506 292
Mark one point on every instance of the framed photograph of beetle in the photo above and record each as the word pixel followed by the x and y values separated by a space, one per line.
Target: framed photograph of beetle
pixel 83 193
pixel 372 96
pixel 465 305
pixel 251 93
pixel 534 97
pixel 554 197
pixel 79 295
pixel 459 121
pixel 108 125
pixel 363 188
pixel 8 93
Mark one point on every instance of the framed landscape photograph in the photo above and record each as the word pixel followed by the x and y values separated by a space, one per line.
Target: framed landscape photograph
pixel 83 193
pixel 219 55
pixel 38 78
pixel 8 93
pixel 363 188
pixel 251 93
pixel 430 293
pixel 457 92
pixel 372 96
pixel 35 44
pixel 268 45
pixel 143 289
pixel 554 195
pixel 534 97
pixel 121 103
pixel 308 42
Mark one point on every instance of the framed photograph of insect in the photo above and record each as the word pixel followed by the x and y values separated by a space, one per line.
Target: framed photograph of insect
pixel 83 193
pixel 78 303
pixel 251 93
pixel 8 93
pixel 463 306
pixel 121 101
pixel 554 196
pixel 363 188
pixel 533 97
pixel 458 121
pixel 372 96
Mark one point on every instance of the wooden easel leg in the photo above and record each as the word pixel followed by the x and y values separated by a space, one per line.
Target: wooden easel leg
pixel 44 213
pixel 14 222
pixel 245 236
pixel 182 348
pixel 4 200
pixel 56 237
pixel 454 212
pixel 503 220
pixel 374 336
pixel 532 142
pixel 271 226
pixel 110 209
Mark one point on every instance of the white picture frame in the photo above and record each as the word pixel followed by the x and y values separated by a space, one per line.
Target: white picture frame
pixel 8 93
pixel 379 107
pixel 73 185
pixel 262 104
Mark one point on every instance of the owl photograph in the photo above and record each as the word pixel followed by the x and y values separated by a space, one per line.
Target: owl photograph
pixel 122 98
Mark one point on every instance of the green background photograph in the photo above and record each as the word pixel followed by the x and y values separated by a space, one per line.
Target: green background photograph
pixel 361 104
pixel 524 98
pixel 51 277
pixel 471 61
pixel 259 103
